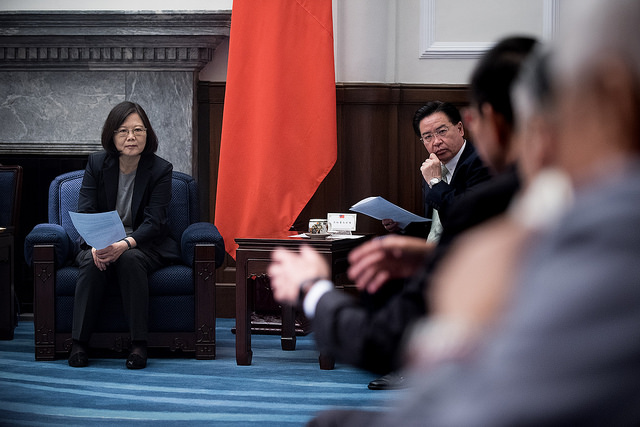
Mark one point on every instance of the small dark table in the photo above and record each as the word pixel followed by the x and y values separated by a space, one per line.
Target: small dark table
pixel 7 298
pixel 253 257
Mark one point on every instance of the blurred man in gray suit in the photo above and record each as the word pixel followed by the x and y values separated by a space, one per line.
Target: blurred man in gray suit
pixel 562 345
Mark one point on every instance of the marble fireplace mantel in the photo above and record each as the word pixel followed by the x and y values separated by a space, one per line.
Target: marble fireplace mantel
pixel 61 73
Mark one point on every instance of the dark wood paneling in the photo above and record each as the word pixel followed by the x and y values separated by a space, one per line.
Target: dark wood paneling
pixel 210 109
pixel 378 154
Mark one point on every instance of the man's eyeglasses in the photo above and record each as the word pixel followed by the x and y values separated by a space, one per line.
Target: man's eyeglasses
pixel 428 137
pixel 123 133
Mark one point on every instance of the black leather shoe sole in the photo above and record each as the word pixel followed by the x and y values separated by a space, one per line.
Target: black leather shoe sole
pixel 388 382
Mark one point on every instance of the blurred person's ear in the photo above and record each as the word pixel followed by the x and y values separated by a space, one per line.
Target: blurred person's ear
pixel 535 145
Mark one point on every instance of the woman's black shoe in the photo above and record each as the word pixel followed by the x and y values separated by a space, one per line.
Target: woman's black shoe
pixel 135 361
pixel 78 357
pixel 138 357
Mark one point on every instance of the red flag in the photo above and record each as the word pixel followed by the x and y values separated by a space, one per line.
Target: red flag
pixel 279 137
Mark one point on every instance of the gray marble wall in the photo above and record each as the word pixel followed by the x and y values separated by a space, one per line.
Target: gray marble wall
pixel 61 73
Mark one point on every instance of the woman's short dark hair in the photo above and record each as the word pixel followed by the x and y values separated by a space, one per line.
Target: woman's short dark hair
pixel 432 107
pixel 116 117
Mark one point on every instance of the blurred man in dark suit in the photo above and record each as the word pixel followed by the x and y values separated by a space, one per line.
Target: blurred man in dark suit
pixel 563 347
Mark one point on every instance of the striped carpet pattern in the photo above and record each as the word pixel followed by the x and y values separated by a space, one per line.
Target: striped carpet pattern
pixel 279 389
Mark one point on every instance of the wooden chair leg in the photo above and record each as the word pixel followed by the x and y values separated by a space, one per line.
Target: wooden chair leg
pixel 205 300
pixel 44 302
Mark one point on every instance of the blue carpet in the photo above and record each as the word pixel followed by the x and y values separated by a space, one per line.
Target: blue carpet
pixel 280 388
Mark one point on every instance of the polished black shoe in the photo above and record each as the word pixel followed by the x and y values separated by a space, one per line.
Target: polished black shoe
pixel 78 357
pixel 138 357
pixel 391 381
pixel 79 360
pixel 135 361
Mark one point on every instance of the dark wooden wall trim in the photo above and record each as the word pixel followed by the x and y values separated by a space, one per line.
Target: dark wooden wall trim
pixel 378 154
pixel 210 107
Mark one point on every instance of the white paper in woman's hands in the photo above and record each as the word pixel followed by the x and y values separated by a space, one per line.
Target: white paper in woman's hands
pixel 99 230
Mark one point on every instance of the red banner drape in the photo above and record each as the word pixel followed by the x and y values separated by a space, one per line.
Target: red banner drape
pixel 279 122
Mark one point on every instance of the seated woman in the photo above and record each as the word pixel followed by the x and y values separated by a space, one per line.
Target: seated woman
pixel 127 177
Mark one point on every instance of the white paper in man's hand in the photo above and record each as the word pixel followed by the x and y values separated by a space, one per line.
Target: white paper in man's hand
pixel 380 208
pixel 99 230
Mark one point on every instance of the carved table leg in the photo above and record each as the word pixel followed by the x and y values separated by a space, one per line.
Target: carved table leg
pixel 243 314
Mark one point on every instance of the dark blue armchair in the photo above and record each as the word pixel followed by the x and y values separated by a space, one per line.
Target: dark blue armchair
pixel 181 297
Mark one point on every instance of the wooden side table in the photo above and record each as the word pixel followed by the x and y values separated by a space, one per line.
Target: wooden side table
pixel 7 295
pixel 253 257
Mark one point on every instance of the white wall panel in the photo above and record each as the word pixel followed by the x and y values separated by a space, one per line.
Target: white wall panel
pixel 365 34
pixel 386 41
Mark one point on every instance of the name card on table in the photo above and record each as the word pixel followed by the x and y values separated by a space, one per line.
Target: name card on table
pixel 341 223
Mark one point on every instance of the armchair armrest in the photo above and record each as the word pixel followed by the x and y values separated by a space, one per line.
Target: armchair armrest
pixel 201 232
pixel 49 234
